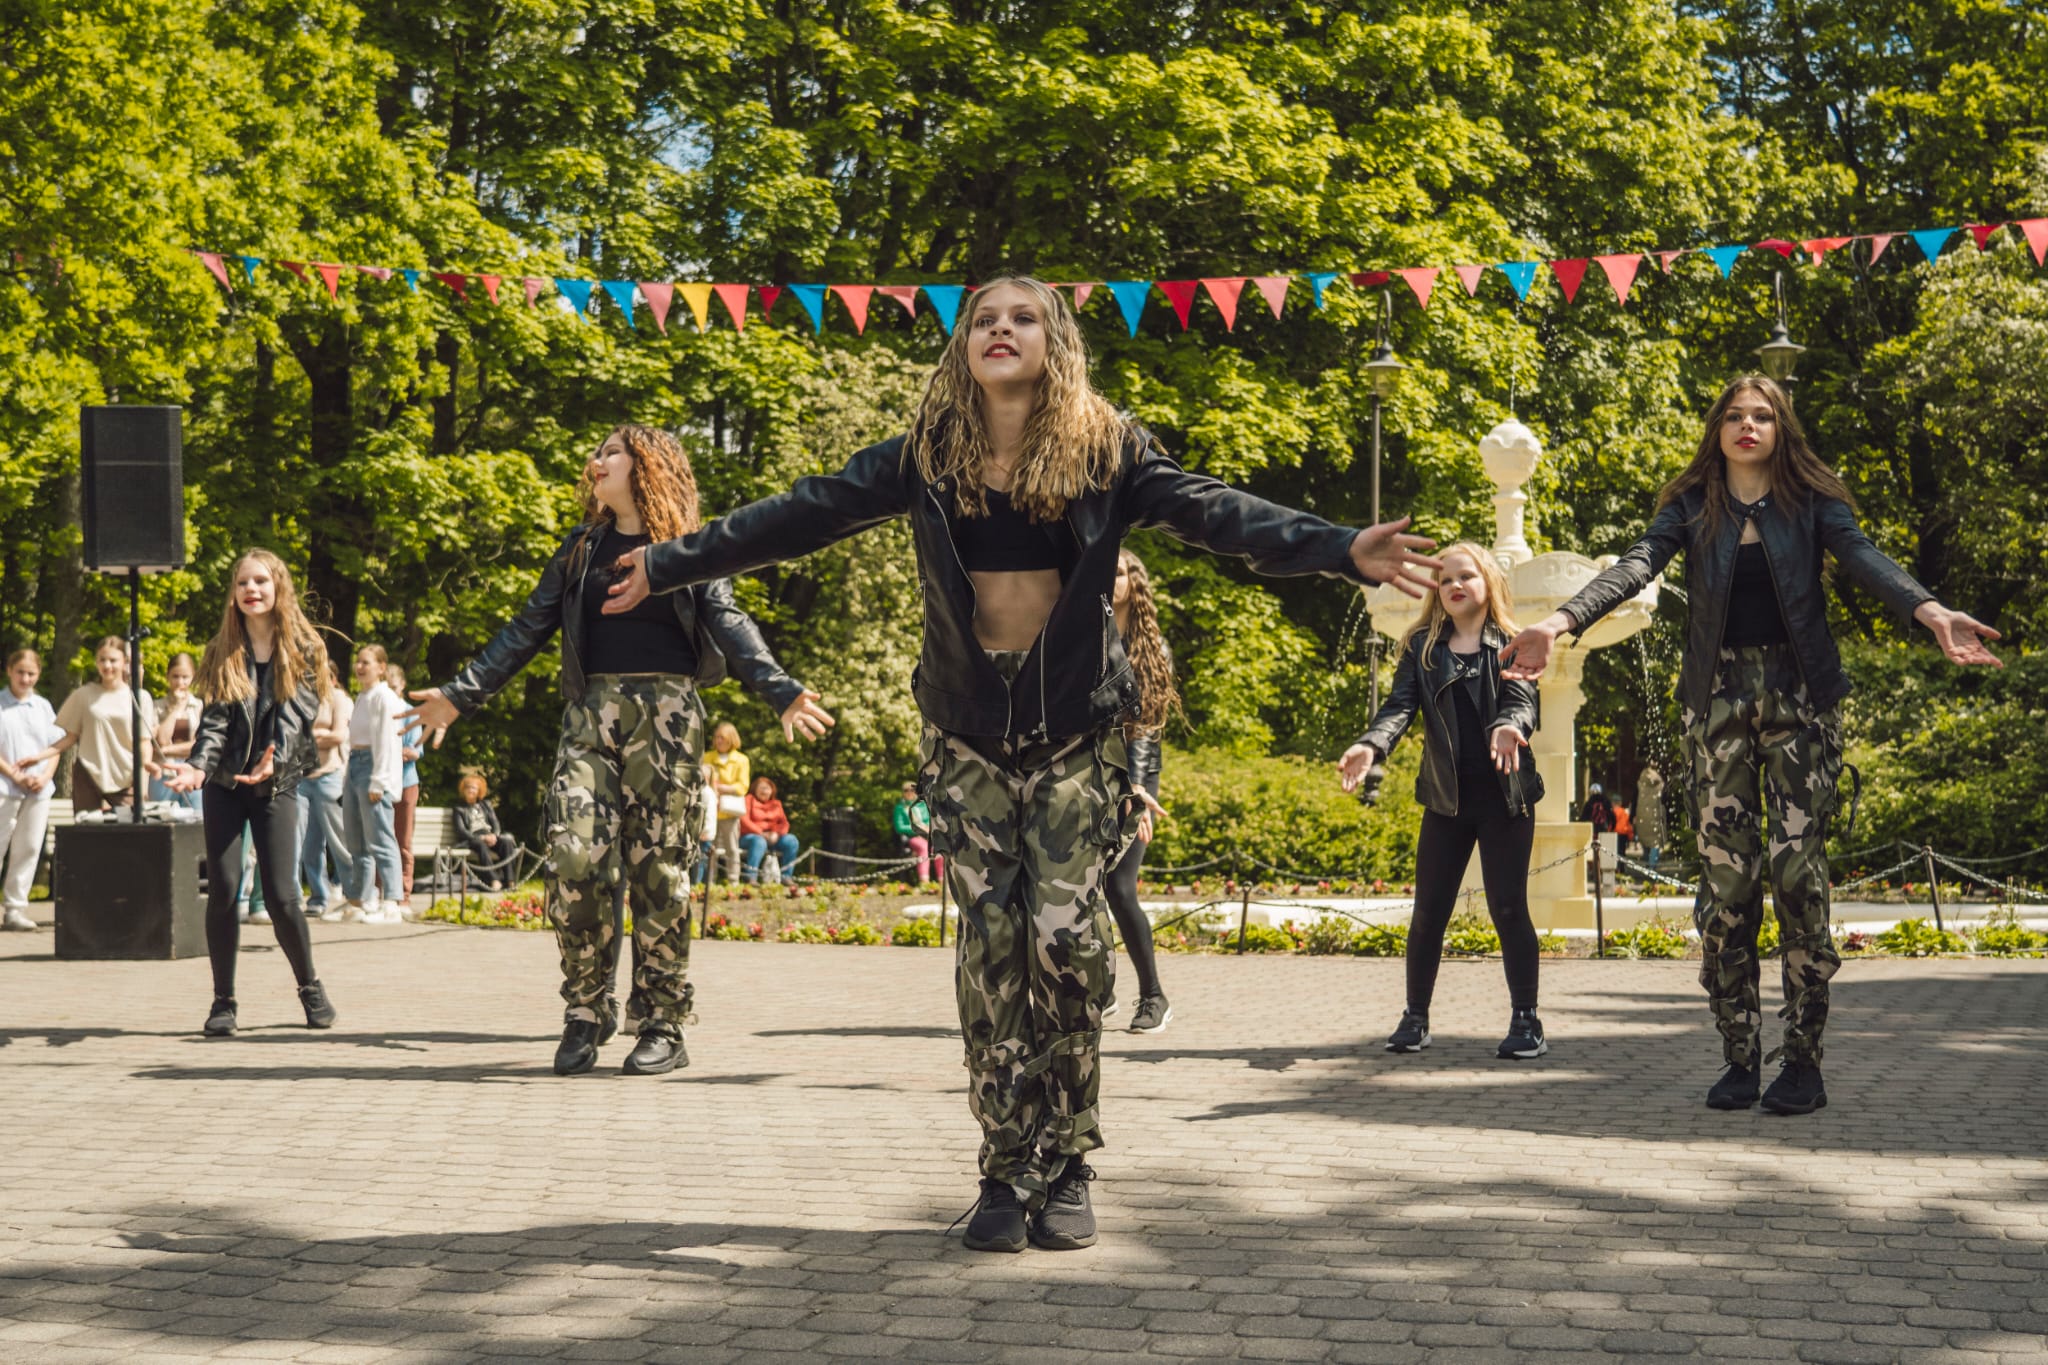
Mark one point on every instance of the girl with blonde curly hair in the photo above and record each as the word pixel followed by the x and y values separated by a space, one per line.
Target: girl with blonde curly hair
pixel 1020 482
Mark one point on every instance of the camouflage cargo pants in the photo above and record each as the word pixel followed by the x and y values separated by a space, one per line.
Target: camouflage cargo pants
pixel 1028 832
pixel 1759 723
pixel 624 809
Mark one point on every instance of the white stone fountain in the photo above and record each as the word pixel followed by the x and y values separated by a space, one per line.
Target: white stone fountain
pixel 1558 898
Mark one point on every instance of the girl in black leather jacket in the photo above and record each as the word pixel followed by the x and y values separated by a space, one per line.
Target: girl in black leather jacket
pixel 260 678
pixel 1761 684
pixel 1020 482
pixel 1137 622
pixel 1477 785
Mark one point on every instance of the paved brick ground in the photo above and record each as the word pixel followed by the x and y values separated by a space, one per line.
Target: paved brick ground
pixel 416 1186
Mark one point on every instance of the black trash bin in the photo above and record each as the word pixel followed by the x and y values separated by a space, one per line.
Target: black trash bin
pixel 835 847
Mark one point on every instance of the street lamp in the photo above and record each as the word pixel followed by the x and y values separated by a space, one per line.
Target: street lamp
pixel 1385 371
pixel 1780 355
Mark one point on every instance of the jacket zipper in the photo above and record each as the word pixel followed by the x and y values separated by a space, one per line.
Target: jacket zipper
pixel 1450 730
pixel 1009 701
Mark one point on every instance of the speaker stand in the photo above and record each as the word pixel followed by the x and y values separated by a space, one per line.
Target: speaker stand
pixel 136 635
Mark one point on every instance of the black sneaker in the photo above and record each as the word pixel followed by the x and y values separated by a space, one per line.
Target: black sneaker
pixel 1798 1090
pixel 1735 1090
pixel 1066 1222
pixel 578 1052
pixel 1413 1035
pixel 1151 1014
pixel 319 1009
pixel 221 1022
pixel 1525 1036
pixel 997 1219
pixel 656 1053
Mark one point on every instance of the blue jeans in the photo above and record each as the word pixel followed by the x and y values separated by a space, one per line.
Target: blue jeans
pixel 754 848
pixel 368 828
pixel 320 829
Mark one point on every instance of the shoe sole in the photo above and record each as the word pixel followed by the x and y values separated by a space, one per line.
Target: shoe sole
pixel 1738 1103
pixel 974 1244
pixel 1159 1027
pixel 1409 1047
pixel 1510 1055
pixel 578 1068
pixel 1780 1107
pixel 1062 1243
pixel 674 1061
pixel 218 1032
pixel 328 1022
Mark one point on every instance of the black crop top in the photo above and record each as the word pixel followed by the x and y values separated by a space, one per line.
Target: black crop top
pixel 1753 614
pixel 1007 541
pixel 647 639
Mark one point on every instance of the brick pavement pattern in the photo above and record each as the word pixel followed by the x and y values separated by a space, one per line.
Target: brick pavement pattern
pixel 418 1186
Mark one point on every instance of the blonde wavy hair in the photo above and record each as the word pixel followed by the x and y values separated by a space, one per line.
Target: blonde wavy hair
pixel 1072 440
pixel 664 486
pixel 297 655
pixel 1500 598
pixel 1145 646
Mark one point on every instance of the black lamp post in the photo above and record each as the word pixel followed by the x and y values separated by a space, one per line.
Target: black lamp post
pixel 1385 371
pixel 1780 355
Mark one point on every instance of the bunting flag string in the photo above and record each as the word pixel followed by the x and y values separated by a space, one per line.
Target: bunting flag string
pixel 1225 292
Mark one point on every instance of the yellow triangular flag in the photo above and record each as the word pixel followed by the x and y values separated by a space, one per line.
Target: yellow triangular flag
pixel 698 296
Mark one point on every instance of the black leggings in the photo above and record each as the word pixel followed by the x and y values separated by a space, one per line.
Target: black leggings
pixel 1442 853
pixel 273 822
pixel 1131 924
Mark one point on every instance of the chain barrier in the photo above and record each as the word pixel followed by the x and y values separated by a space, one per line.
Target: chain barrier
pixel 1648 873
pixel 2003 888
pixel 1868 878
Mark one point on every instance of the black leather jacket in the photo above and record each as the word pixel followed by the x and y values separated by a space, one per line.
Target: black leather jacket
pixel 1793 539
pixel 957 688
pixel 225 745
pixel 716 626
pixel 1422 685
pixel 1144 753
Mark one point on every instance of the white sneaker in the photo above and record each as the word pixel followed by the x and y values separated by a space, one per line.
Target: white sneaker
pixel 354 913
pixel 15 919
pixel 334 914
pixel 257 916
pixel 385 913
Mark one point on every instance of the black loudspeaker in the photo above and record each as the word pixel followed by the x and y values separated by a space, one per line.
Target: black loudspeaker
pixel 129 891
pixel 132 488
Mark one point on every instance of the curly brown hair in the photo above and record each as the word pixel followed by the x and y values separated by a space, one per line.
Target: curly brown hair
pixel 664 486
pixel 1145 646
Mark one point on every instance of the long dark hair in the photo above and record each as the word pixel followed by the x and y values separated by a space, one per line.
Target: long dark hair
pixel 1797 474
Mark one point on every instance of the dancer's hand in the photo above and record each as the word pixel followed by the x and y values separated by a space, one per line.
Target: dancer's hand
pixel 1960 637
pixel 263 770
pixel 434 711
pixel 1524 658
pixel 804 716
pixel 1385 554
pixel 1150 812
pixel 1356 763
pixel 1508 744
pixel 183 777
pixel 630 587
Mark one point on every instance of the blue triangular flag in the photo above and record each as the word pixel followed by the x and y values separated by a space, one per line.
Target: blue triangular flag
pixel 1932 240
pixel 945 302
pixel 1319 280
pixel 249 264
pixel 1131 296
pixel 578 294
pixel 1723 256
pixel 412 280
pixel 622 294
pixel 1521 274
pixel 812 297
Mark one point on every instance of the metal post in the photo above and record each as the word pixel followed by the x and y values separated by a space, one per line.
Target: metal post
pixel 1933 886
pixel 942 909
pixel 1599 903
pixel 135 793
pixel 1373 635
pixel 1244 909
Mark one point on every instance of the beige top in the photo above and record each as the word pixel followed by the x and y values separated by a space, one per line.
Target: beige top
pixel 330 731
pixel 100 717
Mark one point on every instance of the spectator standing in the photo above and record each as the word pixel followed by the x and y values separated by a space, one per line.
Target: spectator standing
pixel 912 820
pixel 764 828
pixel 319 797
pixel 1598 810
pixel 98 719
pixel 409 741
pixel 370 796
pixel 177 725
pixel 491 850
pixel 731 777
pixel 28 727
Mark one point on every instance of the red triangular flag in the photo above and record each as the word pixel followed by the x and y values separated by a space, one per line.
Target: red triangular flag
pixel 1983 232
pixel 1665 258
pixel 1569 275
pixel 769 293
pixel 734 297
pixel 455 282
pixel 379 273
pixel 296 267
pixel 2035 230
pixel 905 294
pixel 330 275
pixel 1471 275
pixel 659 296
pixel 490 284
pixel 1274 287
pixel 534 284
pixel 1878 244
pixel 1621 273
pixel 1181 294
pixel 1422 279
pixel 211 260
pixel 1821 246
pixel 1226 289
pixel 1369 279
pixel 1783 248
pixel 856 297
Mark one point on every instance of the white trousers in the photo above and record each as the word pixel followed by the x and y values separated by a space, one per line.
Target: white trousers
pixel 23 822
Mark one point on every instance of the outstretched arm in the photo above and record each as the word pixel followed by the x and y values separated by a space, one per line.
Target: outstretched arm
pixel 1525 657
pixel 1961 637
pixel 1394 717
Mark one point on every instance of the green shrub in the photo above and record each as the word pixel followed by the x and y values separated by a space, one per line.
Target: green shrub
pixel 1652 938
pixel 803 933
pixel 1767 940
pixel 2002 935
pixel 1548 942
pixel 860 934
pixel 1918 938
pixel 1471 935
pixel 1260 938
pixel 916 933
pixel 1380 940
pixel 1329 935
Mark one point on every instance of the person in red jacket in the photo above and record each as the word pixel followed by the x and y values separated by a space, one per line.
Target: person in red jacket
pixel 764 827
